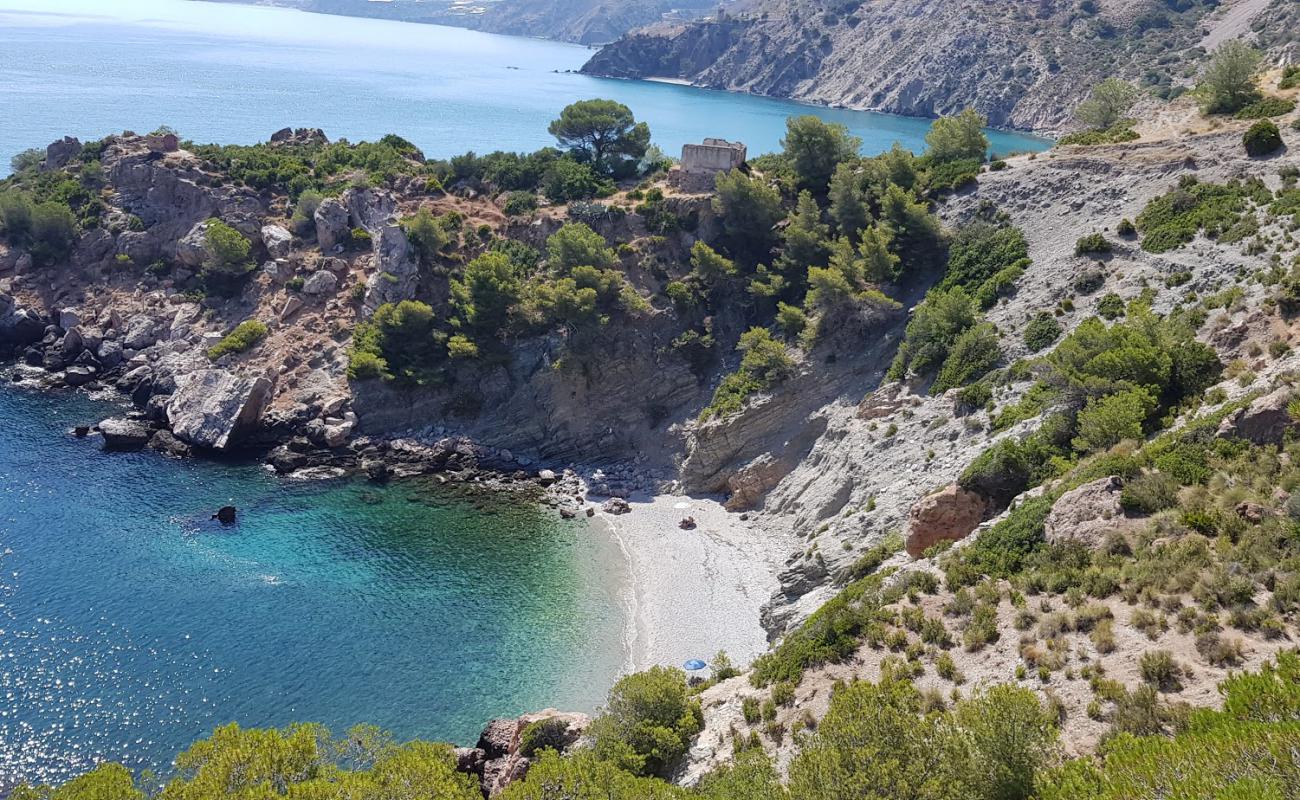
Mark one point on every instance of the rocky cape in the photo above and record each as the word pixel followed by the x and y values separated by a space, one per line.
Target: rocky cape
pixel 1023 65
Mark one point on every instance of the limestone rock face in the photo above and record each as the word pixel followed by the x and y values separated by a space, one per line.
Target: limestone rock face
pixel 277 241
pixel 61 152
pixel 1087 514
pixel 1264 421
pixel 321 282
pixel 397 271
pixel 141 332
pixel 192 249
pixel 214 408
pixel 331 224
pixel 750 483
pixel 949 514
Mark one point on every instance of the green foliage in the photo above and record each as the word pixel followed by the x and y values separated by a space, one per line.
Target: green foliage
pixel 431 236
pixel 948 176
pixel 750 209
pixel 1107 104
pixel 603 133
pixel 876 743
pixel 1266 107
pixel 398 343
pixel 551 732
pixel 914 233
pixel 848 198
pixel 298 761
pixel 1110 306
pixel 1041 332
pixel 957 137
pixel 1092 244
pixel 486 291
pixel 566 180
pixel 648 721
pixel 242 339
pixel 934 329
pixel 576 245
pixel 1261 139
pixel 46 229
pixel 1245 751
pixel 584 776
pixel 816 148
pixel 1121 131
pixel 764 363
pixel 980 251
pixel 518 204
pixel 829 635
pixel 710 265
pixel 1110 419
pixel 228 249
pixel 1149 493
pixel 975 352
pixel 1228 82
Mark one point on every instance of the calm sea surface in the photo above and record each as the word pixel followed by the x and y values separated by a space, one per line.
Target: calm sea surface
pixel 236 74
pixel 129 623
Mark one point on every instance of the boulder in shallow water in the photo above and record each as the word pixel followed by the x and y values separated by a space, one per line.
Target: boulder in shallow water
pixel 225 515
pixel 124 434
pixel 214 408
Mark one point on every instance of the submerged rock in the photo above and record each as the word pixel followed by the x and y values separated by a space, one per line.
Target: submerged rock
pixel 225 515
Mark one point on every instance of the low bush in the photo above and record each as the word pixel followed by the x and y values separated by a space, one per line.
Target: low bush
pixel 1266 107
pixel 1041 332
pixel 1149 493
pixel 1094 243
pixel 1262 139
pixel 242 339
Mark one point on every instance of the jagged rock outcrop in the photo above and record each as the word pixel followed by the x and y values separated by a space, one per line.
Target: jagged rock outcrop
pixel 397 270
pixel 277 241
pixel 948 515
pixel 1088 514
pixel 1024 65
pixel 1265 421
pixel 213 408
pixel 331 224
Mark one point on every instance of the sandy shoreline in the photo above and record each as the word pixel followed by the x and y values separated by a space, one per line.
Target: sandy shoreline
pixel 693 593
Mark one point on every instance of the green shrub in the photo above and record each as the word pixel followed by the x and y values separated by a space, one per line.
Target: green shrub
pixel 1149 493
pixel 1108 420
pixel 1041 332
pixel 1093 243
pixel 518 204
pixel 935 326
pixel 764 363
pixel 431 236
pixel 1121 131
pixel 1263 138
pixel 975 352
pixel 1267 107
pixel 1111 306
pixel 242 339
pixel 648 722
pixel 979 251
pixel 552 733
pixel 399 342
pixel 1173 219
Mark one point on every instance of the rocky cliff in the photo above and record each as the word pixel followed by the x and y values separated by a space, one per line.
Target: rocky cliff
pixel 1024 65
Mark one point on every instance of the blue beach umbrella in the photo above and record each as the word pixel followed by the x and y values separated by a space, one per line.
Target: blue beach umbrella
pixel 694 665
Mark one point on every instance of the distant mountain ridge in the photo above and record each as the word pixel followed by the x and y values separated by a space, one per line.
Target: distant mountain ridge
pixel 589 22
pixel 1024 65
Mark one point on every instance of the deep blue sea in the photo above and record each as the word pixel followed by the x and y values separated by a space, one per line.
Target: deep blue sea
pixel 236 74
pixel 131 624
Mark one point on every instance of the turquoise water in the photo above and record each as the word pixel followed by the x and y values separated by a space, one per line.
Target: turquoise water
pixel 131 624
pixel 236 74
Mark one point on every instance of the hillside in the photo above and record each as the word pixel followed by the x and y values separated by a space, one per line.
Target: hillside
pixel 588 22
pixel 1025 429
pixel 1023 65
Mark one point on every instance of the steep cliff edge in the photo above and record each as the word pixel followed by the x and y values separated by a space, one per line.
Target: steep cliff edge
pixel 1023 65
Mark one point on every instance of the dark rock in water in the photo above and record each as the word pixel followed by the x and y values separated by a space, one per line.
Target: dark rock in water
pixel 79 376
pixel 591 511
pixel 165 441
pixel 33 356
pixel 124 434
pixel 225 515
pixel 375 469
pixel 81 431
pixel 285 460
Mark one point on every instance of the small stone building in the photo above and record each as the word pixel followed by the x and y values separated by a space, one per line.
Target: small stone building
pixel 714 155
